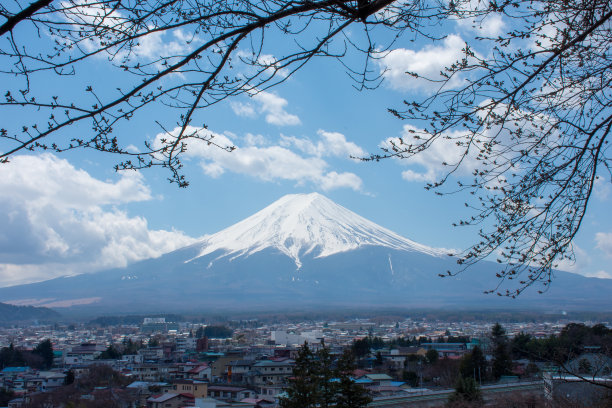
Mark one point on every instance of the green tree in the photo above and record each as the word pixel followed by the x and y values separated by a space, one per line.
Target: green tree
pixel 502 363
pixel 303 388
pixel 45 350
pixel 11 357
pixel 432 356
pixel 411 377
pixel 131 347
pixel 316 384
pixel 69 379
pixel 473 364
pixel 350 394
pixel 466 390
pixel 6 396
pixel 327 387
pixel 218 332
pixel 111 353
pixel 361 347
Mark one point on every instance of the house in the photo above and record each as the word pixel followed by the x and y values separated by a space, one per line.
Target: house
pixel 236 370
pixel 271 372
pixel 270 391
pixel 198 389
pixel 397 357
pixel 84 353
pixel 229 393
pixel 218 367
pixel 200 372
pixel 51 380
pixel 184 344
pixel 145 389
pixel 590 363
pixel 151 354
pixel 170 400
pixel 378 380
pixel 447 350
pixel 151 372
pixel 571 390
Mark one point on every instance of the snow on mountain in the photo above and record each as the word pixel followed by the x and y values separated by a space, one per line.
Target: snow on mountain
pixel 301 224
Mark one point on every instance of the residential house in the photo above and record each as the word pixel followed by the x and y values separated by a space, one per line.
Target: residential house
pixel 171 400
pixel 229 393
pixel 271 372
pixel 83 354
pixel 198 389
pixel 237 370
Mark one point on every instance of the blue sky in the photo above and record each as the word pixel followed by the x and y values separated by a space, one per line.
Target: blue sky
pixel 71 213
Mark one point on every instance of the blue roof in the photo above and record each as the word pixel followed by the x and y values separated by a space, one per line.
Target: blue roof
pixel 16 369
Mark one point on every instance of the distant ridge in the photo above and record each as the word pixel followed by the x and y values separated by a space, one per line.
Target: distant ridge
pixel 11 313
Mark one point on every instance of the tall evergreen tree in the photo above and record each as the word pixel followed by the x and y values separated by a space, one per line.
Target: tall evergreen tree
pixel 303 385
pixel 473 364
pixel 502 363
pixel 45 350
pixel 327 388
pixel 350 394
pixel 466 390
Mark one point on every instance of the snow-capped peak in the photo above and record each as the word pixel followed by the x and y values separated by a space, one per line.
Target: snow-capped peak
pixel 299 224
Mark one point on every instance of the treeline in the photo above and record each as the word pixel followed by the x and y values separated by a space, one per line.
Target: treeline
pixel 390 316
pixel 11 313
pixel 363 346
pixel 41 357
pixel 573 340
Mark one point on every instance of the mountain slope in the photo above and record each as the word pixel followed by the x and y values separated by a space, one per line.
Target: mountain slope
pixel 301 251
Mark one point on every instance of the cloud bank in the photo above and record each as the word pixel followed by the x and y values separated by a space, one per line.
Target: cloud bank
pixel 58 220
pixel 260 159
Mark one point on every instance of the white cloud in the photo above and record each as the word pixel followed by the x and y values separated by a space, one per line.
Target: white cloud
pixel 604 242
pixel 273 106
pixel 431 160
pixel 268 104
pixel 243 109
pixel 428 62
pixel 55 221
pixel 602 188
pixel 254 140
pixel 582 265
pixel 330 144
pixel 270 162
pixel 491 25
pixel 333 180
pixel 599 274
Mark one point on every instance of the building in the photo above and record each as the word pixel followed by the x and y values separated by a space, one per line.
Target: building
pixel 198 389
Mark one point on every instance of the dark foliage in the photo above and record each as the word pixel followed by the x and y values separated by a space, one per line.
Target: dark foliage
pixel 315 383
pixel 10 313
pixel 111 353
pixel 502 363
pixel 217 332
pixel 45 350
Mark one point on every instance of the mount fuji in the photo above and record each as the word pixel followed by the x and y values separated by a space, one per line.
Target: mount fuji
pixel 302 251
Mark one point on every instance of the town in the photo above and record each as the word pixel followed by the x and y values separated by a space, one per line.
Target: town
pixel 168 362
